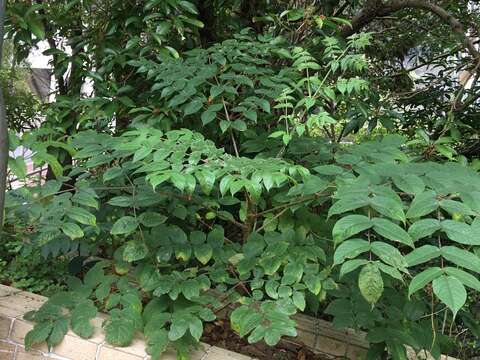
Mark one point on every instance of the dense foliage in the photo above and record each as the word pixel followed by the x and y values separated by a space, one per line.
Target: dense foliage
pixel 269 168
pixel 21 106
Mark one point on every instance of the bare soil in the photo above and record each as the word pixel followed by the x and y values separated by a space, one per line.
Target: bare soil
pixel 219 333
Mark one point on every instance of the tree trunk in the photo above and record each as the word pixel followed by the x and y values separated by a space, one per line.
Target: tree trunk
pixel 3 130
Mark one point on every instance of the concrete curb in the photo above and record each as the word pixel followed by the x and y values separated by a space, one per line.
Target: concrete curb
pixel 315 334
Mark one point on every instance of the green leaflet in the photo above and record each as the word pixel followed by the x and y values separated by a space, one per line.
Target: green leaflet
pixel 164 285
pixel 215 91
pixel 206 180
pixel 225 184
pixel 472 200
pixel 236 317
pixel 183 252
pixel 422 255
pixel 193 106
pixel 86 197
pixel 292 273
pixel 132 304
pixel 135 250
pixel 72 230
pixel 119 332
pixel 203 253
pixel 349 226
pixel 180 325
pixel 299 300
pixel 18 167
pixel 389 254
pixel 38 334
pixel 103 290
pixel 82 216
pixel 271 317
pixel 313 283
pixel 397 350
pixel 271 288
pixel 347 204
pixel 350 249
pixel 196 328
pixel 423 278
pixel 208 116
pixel 313 185
pixel 124 226
pixel 389 207
pixel 423 204
pixel 390 270
pixel 351 265
pixel 80 319
pixel 455 207
pixel 249 322
pixel 411 184
pixel 466 278
pixel 462 258
pixel 151 219
pixel 157 342
pixel 37 28
pixel 391 231
pixel 423 228
pixel 450 291
pixel 59 330
pixel 257 334
pixel 329 169
pixel 121 201
pixel 284 291
pixel 142 153
pixel 190 289
pixel 460 232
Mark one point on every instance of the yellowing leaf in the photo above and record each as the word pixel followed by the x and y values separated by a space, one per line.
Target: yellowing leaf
pixel 370 283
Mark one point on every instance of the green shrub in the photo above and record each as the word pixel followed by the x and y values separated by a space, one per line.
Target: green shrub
pixel 182 220
pixel 222 175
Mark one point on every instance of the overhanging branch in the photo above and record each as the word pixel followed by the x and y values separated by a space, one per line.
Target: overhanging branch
pixel 377 8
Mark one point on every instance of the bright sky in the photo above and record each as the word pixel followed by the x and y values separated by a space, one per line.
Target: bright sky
pixel 37 59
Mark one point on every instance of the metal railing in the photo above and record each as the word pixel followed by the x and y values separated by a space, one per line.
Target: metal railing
pixel 34 178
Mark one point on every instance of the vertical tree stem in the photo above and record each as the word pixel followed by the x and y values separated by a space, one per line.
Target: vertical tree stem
pixel 3 129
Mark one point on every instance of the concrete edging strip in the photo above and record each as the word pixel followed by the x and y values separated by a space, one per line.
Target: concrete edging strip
pixel 315 334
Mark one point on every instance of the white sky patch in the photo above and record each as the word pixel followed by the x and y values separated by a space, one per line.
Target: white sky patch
pixel 36 58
